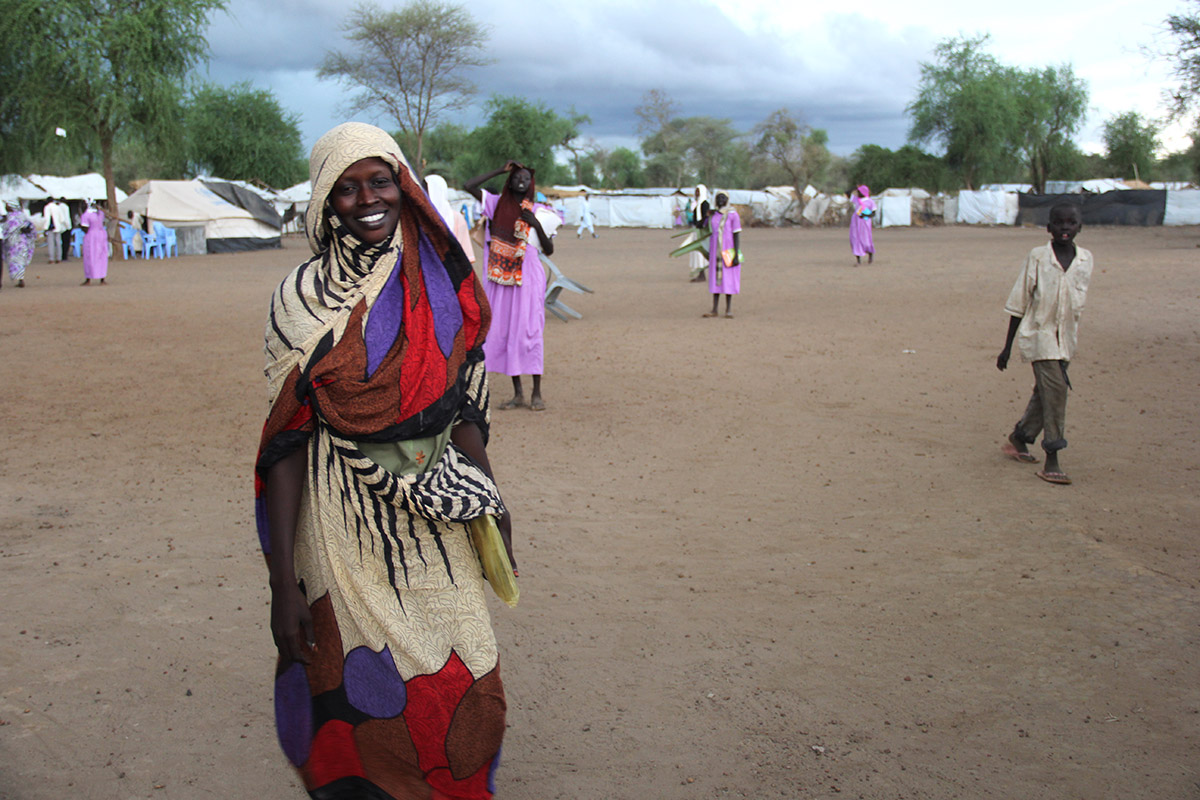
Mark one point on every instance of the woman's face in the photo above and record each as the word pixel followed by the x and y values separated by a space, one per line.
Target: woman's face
pixel 366 198
pixel 722 200
pixel 520 181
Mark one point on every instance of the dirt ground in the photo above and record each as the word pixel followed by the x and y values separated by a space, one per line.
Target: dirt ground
pixel 774 556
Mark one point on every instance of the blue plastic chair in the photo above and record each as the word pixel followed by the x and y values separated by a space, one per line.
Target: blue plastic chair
pixel 169 239
pixel 152 244
pixel 77 242
pixel 127 234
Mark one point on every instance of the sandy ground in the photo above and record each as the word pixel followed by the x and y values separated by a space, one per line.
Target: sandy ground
pixel 774 556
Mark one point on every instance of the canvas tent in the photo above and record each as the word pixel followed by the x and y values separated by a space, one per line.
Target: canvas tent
pixel 183 205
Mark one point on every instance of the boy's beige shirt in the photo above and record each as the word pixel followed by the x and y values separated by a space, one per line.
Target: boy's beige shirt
pixel 1049 302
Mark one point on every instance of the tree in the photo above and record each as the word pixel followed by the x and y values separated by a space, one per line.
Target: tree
pixel 243 133
pixel 781 139
pixel 881 168
pixel 113 65
pixel 1051 104
pixel 409 63
pixel 623 170
pixel 967 103
pixel 1130 143
pixel 570 142
pixel 1185 28
pixel 712 150
pixel 663 140
pixel 443 151
pixel 520 130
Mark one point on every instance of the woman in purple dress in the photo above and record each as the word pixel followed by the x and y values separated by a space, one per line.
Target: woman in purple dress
pixel 862 241
pixel 724 254
pixel 19 235
pixel 516 280
pixel 95 245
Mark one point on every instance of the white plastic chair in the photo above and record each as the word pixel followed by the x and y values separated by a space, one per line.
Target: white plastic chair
pixel 554 288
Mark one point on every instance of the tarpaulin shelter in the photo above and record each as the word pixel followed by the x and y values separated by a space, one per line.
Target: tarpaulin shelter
pixel 1183 207
pixel 222 226
pixel 1125 207
pixel 987 208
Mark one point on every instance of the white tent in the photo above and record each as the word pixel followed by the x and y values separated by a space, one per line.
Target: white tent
pixel 90 186
pixel 190 204
pixel 15 188
pixel 895 210
pixel 987 208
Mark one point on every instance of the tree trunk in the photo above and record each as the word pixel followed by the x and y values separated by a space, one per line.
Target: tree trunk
pixel 106 154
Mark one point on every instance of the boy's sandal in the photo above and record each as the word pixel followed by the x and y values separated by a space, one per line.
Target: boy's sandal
pixel 1054 477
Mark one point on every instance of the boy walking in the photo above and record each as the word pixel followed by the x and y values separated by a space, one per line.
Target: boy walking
pixel 1044 307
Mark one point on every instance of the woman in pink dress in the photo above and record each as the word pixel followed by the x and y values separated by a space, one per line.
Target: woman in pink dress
pixel 516 280
pixel 95 245
pixel 862 241
pixel 724 254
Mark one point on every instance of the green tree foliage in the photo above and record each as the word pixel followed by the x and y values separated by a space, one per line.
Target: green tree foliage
pixel 409 63
pixel 523 131
pixel 881 168
pixel 800 152
pixel 101 67
pixel 989 118
pixel 1130 143
pixel 681 150
pixel 663 141
pixel 1184 28
pixel 715 155
pixel 241 133
pixel 443 150
pixel 571 144
pixel 1051 104
pixel 966 104
pixel 623 170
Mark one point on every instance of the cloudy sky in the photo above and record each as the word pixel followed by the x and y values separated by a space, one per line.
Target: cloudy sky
pixel 847 67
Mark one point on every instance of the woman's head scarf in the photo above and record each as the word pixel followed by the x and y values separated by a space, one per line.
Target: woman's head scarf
pixel 372 341
pixel 439 195
pixel 509 233
pixel 864 192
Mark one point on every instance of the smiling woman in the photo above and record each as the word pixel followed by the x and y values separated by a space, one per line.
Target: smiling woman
pixel 366 198
pixel 371 464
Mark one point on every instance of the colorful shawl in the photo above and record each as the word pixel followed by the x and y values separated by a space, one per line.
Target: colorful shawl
pixel 375 342
pixel 510 233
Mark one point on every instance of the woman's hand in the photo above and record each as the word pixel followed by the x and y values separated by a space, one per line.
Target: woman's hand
pixel 291 623
pixel 504 523
pixel 529 218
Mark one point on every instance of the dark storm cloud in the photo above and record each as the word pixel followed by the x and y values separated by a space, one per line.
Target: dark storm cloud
pixel 851 77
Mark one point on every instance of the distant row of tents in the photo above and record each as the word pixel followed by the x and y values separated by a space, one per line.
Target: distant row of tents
pixel 214 216
pixel 209 215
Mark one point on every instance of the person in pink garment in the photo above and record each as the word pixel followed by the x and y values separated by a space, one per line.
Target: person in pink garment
pixel 95 245
pixel 516 280
pixel 724 254
pixel 862 241
pixel 435 187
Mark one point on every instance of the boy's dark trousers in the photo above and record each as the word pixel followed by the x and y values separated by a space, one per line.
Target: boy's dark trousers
pixel 1046 412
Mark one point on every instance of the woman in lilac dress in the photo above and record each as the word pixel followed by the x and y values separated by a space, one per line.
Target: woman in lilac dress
pixel 95 245
pixel 19 235
pixel 724 254
pixel 515 282
pixel 862 241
